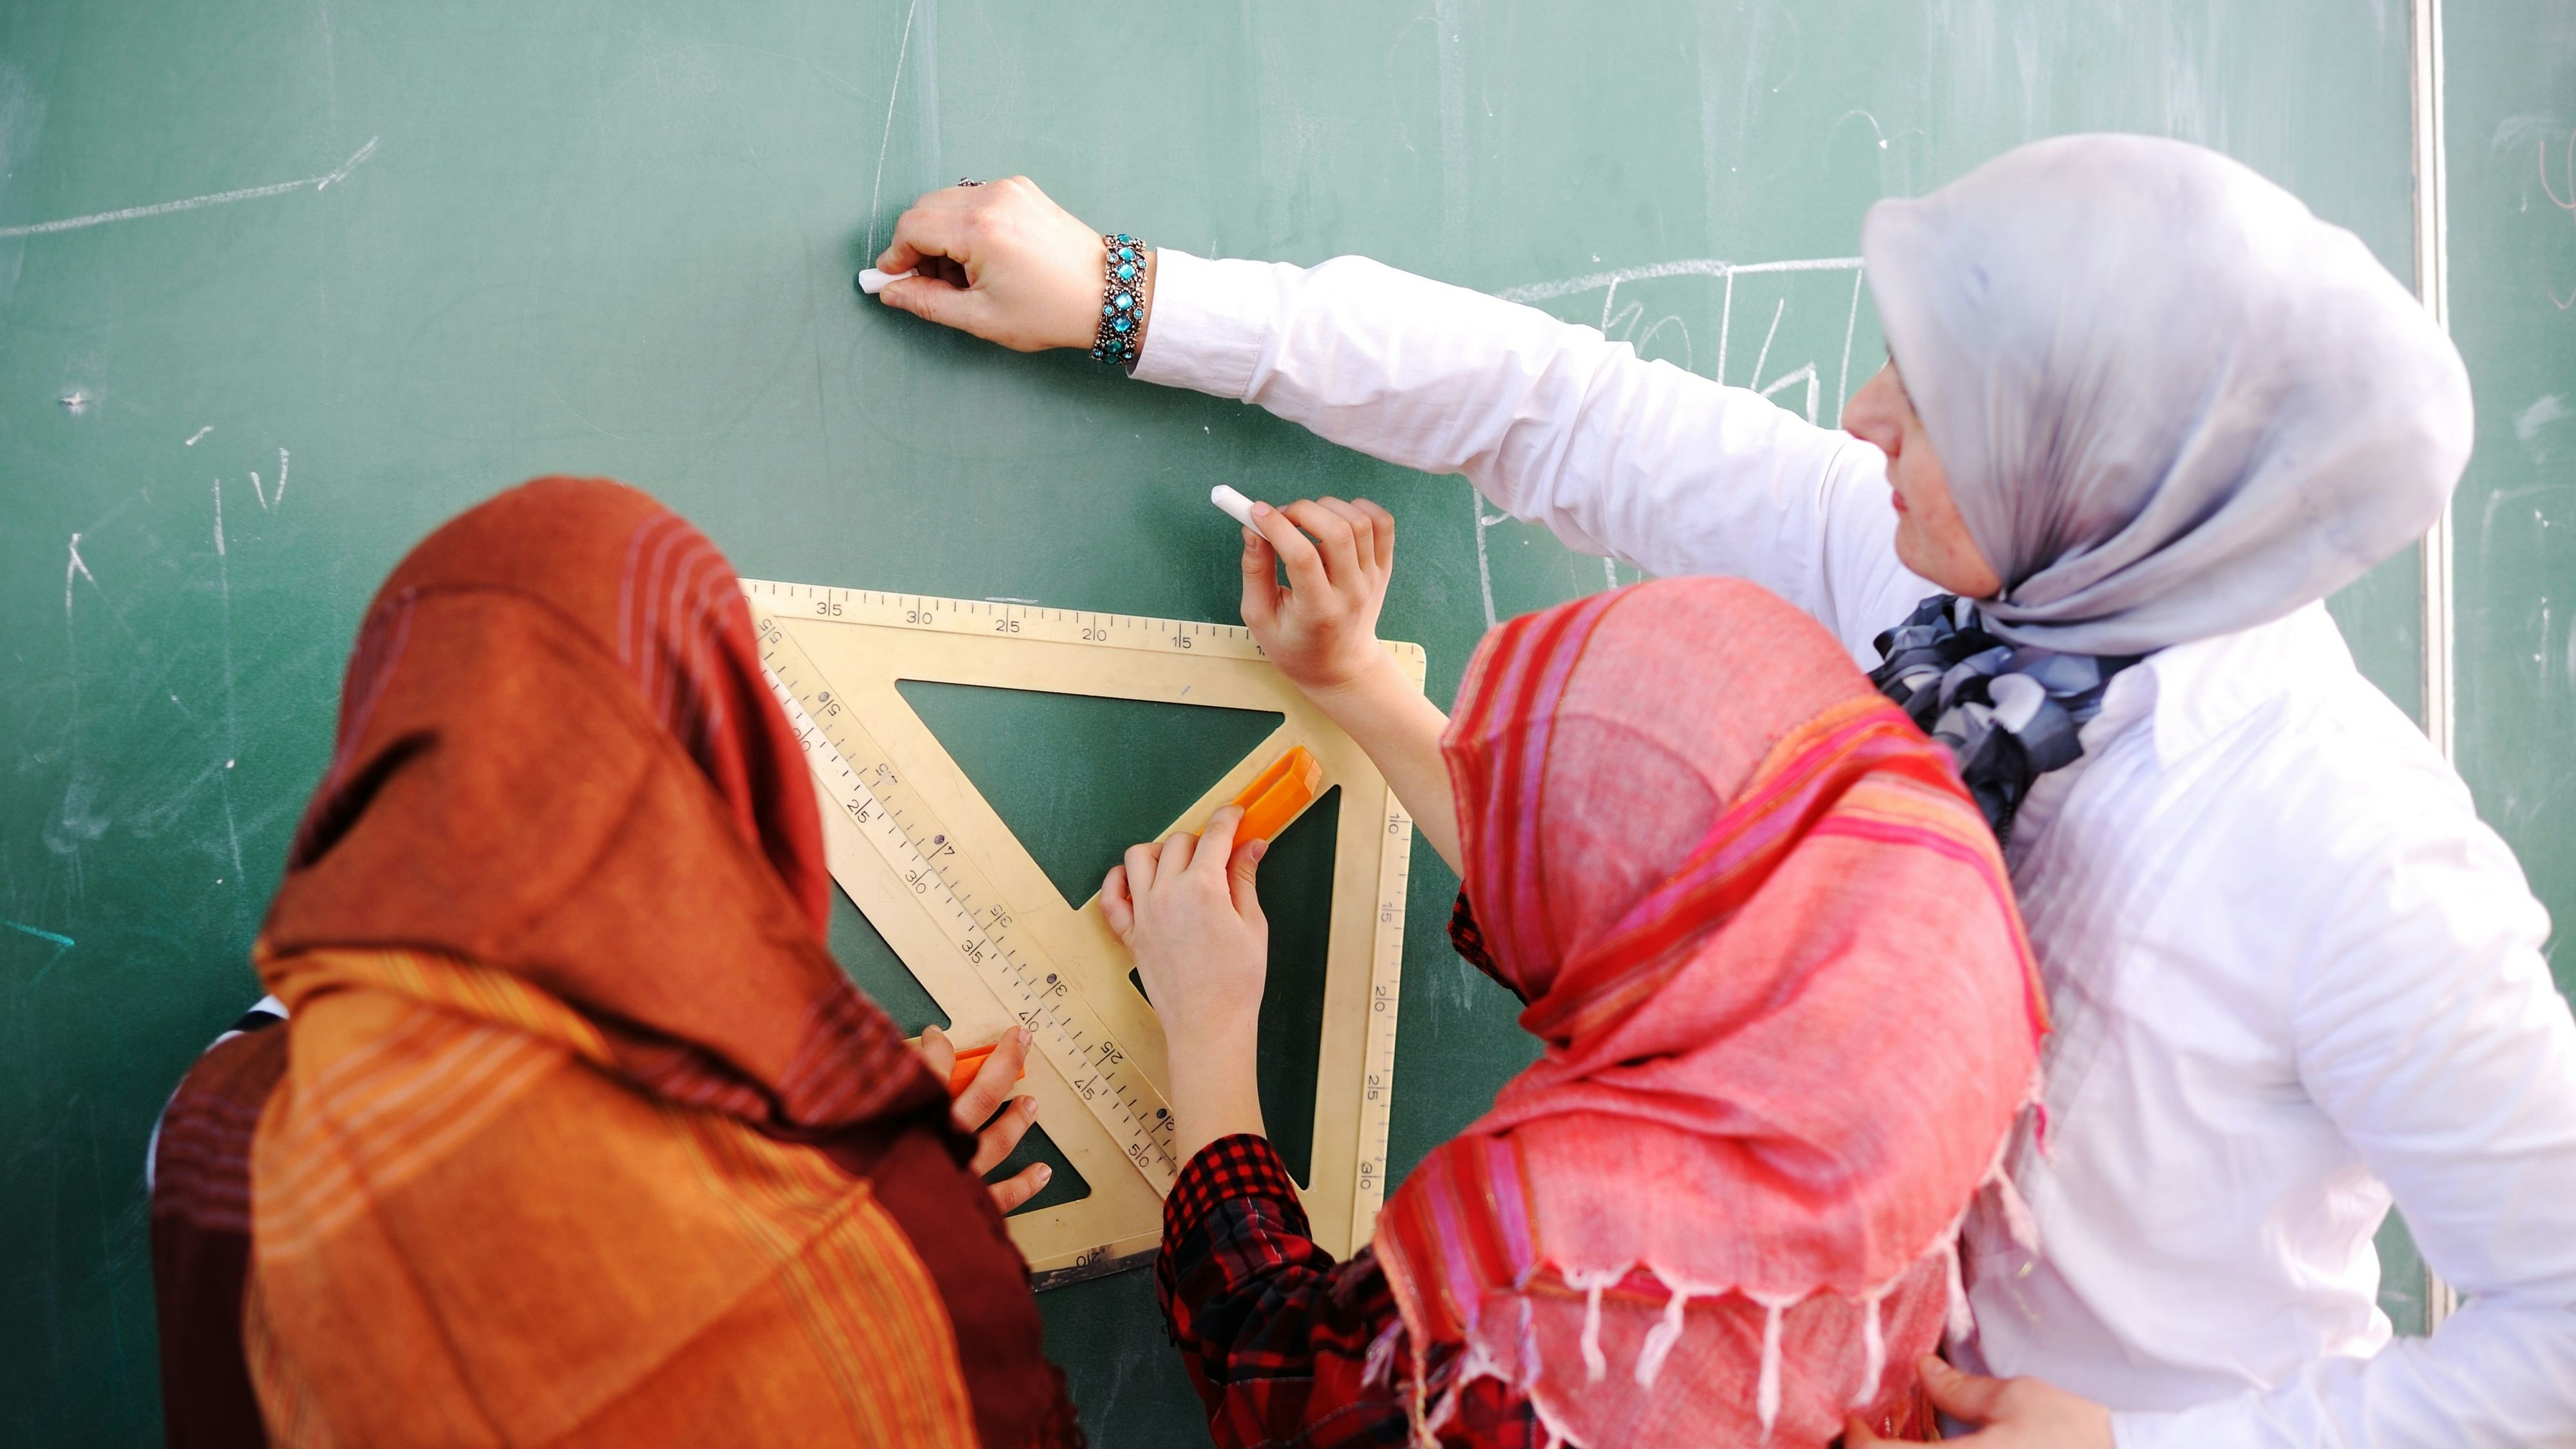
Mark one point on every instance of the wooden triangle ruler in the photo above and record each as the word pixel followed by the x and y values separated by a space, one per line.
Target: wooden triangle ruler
pixel 990 937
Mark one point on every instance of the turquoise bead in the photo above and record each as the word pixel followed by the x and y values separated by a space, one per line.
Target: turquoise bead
pixel 1127 272
pixel 1122 324
pixel 1125 301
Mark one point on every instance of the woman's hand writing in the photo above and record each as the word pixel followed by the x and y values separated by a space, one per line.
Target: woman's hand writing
pixel 1321 630
pixel 987 1109
pixel 1187 911
pixel 1001 261
pixel 2010 1413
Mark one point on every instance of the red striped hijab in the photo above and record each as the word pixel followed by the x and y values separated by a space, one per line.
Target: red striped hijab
pixel 1788 1012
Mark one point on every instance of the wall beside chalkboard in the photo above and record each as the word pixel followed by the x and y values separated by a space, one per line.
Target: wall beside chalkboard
pixel 283 286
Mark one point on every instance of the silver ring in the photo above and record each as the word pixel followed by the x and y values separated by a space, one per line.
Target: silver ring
pixel 968 181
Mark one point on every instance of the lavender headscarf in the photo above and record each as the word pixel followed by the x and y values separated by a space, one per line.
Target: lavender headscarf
pixel 2171 402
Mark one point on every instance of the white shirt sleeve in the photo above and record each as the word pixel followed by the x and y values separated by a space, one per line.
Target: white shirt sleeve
pixel 2428 1029
pixel 1641 461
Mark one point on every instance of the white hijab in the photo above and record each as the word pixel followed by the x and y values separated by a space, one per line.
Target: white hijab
pixel 2171 402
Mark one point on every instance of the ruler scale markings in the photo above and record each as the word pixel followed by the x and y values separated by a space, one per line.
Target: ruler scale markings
pixel 1377 1065
pixel 1061 1021
pixel 1122 1100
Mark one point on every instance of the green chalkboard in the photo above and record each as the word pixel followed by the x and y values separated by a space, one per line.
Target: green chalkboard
pixel 573 236
pixel 2511 122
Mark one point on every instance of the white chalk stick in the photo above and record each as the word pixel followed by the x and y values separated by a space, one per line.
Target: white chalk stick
pixel 1236 506
pixel 873 281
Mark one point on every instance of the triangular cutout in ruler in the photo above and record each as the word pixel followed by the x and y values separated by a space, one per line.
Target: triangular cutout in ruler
pixel 982 928
pixel 1112 773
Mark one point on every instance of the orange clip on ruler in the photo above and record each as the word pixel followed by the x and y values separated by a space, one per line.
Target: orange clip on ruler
pixel 953 892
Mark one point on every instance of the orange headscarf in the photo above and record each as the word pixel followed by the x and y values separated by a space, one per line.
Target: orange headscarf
pixel 1788 1012
pixel 557 758
pixel 582 1137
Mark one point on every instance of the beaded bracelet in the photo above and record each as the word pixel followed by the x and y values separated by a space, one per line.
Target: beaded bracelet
pixel 1122 300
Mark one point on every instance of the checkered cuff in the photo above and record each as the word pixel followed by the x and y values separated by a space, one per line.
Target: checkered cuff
pixel 1469 939
pixel 1243 1165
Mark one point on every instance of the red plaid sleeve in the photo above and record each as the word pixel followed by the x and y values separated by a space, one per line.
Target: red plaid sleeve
pixel 1278 1337
pixel 1468 939
pixel 1241 1166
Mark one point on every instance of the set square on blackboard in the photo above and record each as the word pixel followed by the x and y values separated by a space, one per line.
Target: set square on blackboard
pixel 974 918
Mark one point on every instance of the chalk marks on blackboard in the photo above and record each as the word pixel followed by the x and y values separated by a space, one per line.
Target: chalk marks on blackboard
pixel 2532 422
pixel 197 436
pixel 232 715
pixel 1484 559
pixel 1616 319
pixel 1765 354
pixel 1806 374
pixel 894 88
pixel 268 504
pixel 322 182
pixel 356 160
pixel 40 933
pixel 1653 271
pixel 1625 317
pixel 2565 203
pixel 1851 320
pixel 61 944
pixel 76 568
pixel 72 570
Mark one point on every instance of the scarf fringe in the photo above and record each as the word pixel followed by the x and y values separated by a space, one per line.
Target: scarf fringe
pixel 1873 1343
pixel 1427 1419
pixel 1531 1367
pixel 2018 1220
pixel 1661 1338
pixel 1962 1323
pixel 1413 1403
pixel 1595 1366
pixel 1766 1393
pixel 1379 1367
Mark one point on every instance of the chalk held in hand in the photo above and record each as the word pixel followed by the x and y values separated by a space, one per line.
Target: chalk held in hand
pixel 872 281
pixel 1236 506
pixel 962 1074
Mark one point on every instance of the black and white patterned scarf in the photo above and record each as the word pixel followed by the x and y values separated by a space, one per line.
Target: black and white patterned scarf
pixel 2009 713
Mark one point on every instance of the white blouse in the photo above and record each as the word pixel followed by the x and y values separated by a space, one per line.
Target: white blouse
pixel 2292 973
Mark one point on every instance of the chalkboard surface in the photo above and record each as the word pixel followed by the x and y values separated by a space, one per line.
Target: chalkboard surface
pixel 2512 124
pixel 282 286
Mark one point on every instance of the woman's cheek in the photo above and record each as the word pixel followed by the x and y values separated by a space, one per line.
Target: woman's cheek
pixel 1911 548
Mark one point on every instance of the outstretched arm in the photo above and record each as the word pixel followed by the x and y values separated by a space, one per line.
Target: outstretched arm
pixel 1639 460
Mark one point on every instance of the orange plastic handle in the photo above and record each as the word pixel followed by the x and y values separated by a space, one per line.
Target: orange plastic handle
pixel 962 1074
pixel 1279 794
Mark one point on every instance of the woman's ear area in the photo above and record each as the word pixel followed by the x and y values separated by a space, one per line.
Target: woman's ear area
pixel 1931 538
